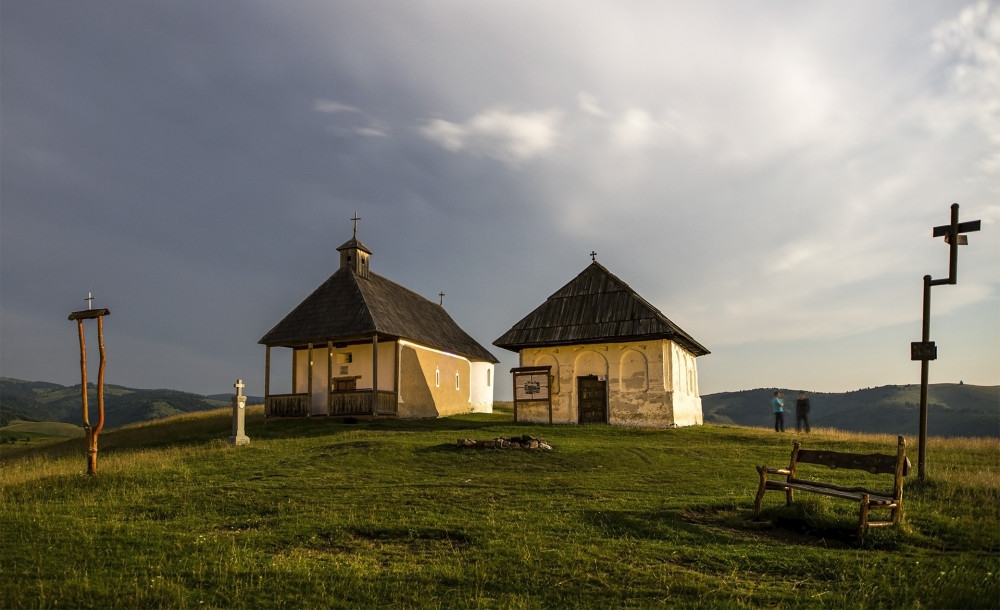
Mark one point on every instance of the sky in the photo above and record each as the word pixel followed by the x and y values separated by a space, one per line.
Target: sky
pixel 767 174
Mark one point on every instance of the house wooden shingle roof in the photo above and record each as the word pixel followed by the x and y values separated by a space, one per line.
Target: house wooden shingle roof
pixel 595 307
pixel 350 307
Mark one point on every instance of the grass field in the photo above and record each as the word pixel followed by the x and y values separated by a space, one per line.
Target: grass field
pixel 392 514
pixel 33 432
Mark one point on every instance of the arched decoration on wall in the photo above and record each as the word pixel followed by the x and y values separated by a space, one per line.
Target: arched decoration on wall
pixel 550 360
pixel 633 372
pixel 589 362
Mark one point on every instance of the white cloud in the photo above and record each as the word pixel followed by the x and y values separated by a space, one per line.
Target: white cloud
pixel 971 42
pixel 507 136
pixel 371 132
pixel 590 105
pixel 332 107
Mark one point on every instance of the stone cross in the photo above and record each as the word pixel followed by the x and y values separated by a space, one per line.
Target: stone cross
pixel 239 436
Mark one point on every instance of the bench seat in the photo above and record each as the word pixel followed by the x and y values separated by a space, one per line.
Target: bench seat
pixel 857 494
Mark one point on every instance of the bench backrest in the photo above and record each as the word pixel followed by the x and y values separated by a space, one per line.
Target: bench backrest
pixel 874 463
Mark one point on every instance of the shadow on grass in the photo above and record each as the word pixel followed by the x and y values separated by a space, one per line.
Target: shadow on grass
pixel 648 525
pixel 812 524
pixel 786 526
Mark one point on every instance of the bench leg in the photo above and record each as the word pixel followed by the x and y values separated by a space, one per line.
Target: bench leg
pixel 762 471
pixel 863 518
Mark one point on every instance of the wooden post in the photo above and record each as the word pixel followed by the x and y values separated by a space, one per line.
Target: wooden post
pixel 901 471
pixel 92 450
pixel 924 372
pixel 309 382
pixel 91 442
pixel 925 350
pixel 329 378
pixel 374 374
pixel 267 373
pixel 92 432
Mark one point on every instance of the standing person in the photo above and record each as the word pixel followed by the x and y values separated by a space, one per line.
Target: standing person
pixel 802 412
pixel 778 404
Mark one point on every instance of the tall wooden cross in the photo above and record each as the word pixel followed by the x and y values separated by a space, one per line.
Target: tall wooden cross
pixel 356 218
pixel 92 432
pixel 925 350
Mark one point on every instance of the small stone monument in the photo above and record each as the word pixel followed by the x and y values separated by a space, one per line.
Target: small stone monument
pixel 239 436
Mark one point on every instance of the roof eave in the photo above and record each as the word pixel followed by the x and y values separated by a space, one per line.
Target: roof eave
pixel 693 346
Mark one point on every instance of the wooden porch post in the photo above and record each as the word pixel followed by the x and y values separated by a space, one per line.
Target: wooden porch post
pixel 309 387
pixel 374 374
pixel 267 372
pixel 329 378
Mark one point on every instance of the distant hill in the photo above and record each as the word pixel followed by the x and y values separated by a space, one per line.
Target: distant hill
pixel 953 410
pixel 39 401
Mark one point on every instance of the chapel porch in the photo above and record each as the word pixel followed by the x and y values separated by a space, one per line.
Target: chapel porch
pixel 339 404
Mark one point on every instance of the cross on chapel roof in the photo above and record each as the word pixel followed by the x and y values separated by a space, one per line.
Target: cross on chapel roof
pixel 356 218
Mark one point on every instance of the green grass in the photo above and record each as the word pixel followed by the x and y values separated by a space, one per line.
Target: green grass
pixel 24 432
pixel 391 513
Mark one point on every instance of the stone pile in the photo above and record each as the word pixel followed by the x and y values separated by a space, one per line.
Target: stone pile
pixel 524 441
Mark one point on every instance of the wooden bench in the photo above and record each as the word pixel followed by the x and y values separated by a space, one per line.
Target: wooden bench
pixel 875 463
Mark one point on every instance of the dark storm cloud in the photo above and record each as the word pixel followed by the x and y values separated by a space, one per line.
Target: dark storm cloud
pixel 751 172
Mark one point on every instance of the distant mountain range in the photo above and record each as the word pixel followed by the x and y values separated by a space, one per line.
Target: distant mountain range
pixel 43 401
pixel 953 409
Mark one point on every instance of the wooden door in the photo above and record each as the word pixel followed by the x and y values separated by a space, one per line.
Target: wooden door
pixel 593 402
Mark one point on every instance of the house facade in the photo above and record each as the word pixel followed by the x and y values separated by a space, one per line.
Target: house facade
pixel 364 345
pixel 597 352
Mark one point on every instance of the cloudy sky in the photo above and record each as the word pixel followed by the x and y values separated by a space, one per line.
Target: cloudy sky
pixel 767 174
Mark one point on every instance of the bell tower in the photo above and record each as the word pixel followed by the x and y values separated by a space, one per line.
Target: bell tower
pixel 353 253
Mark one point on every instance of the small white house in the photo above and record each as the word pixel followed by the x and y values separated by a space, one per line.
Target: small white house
pixel 597 352
pixel 364 345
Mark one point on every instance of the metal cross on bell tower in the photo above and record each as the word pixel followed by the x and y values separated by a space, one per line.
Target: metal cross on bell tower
pixel 356 218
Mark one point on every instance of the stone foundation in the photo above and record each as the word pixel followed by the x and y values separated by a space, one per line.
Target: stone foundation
pixel 514 442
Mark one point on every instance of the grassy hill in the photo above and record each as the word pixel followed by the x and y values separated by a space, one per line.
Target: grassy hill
pixel 18 431
pixel 953 410
pixel 42 401
pixel 388 513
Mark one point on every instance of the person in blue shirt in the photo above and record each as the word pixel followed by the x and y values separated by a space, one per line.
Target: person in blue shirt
pixel 778 403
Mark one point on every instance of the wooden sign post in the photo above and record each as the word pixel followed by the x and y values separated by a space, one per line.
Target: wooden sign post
pixel 92 431
pixel 925 350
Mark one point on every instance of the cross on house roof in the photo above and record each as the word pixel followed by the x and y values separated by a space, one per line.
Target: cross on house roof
pixel 593 256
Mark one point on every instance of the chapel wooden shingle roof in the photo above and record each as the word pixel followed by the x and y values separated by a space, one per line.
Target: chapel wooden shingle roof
pixel 595 307
pixel 349 307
